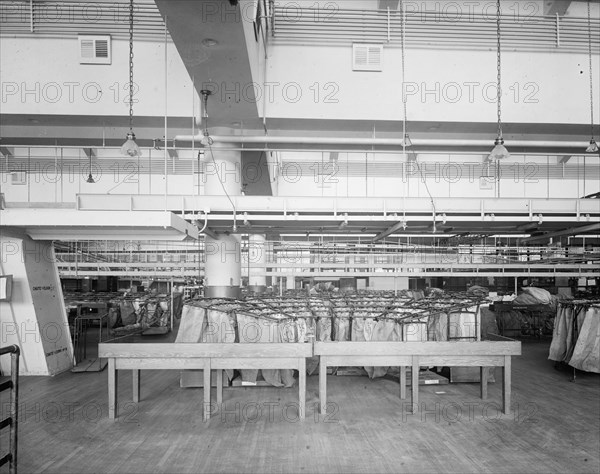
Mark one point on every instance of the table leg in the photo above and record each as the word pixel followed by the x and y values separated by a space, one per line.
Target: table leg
pixel 323 384
pixel 483 381
pixel 85 339
pixel 301 387
pixel 112 389
pixel 403 382
pixel 415 384
pixel 206 404
pixel 136 385
pixel 219 387
pixel 506 385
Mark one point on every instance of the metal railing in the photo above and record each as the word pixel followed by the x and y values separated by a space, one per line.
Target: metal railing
pixel 12 420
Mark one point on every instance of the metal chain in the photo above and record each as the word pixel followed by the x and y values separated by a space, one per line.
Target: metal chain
pixel 590 65
pixel 131 65
pixel 499 66
pixel 402 28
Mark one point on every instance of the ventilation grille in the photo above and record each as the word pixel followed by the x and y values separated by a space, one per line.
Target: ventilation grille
pixel 433 29
pixel 73 18
pixel 18 177
pixel 94 50
pixel 367 57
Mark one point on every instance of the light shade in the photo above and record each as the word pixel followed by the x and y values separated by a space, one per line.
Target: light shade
pixel 499 152
pixel 206 139
pixel 90 179
pixel 407 141
pixel 130 147
pixel 592 147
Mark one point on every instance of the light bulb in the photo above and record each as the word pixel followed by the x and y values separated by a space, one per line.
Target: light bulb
pixel 499 152
pixel 130 147
pixel 592 147
pixel 206 140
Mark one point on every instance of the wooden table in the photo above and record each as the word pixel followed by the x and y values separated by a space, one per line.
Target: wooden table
pixel 496 352
pixel 131 354
pixel 264 356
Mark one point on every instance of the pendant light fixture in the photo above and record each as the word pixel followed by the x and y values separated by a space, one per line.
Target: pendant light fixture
pixel 593 146
pixel 499 151
pixel 90 178
pixel 206 139
pixel 406 138
pixel 130 147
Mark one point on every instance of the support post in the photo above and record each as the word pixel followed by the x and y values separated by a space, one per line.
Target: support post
pixel 136 385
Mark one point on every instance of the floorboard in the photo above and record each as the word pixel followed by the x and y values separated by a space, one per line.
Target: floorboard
pixel 554 427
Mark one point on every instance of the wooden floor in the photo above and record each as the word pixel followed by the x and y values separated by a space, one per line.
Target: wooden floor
pixel 555 426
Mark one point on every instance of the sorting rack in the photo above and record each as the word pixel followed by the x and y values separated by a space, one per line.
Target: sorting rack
pixel 535 310
pixel 578 306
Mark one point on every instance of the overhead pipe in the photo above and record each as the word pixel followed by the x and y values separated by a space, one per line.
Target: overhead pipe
pixel 369 141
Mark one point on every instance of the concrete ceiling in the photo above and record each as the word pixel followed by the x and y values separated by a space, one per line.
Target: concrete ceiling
pixel 210 39
pixel 213 49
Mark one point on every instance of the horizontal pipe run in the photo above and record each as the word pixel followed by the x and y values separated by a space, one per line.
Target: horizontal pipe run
pixel 311 140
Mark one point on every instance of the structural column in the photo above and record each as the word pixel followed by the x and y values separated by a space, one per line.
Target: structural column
pixel 222 176
pixel 34 317
pixel 257 261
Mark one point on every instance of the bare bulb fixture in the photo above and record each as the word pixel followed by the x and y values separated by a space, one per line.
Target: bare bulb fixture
pixel 499 151
pixel 90 179
pixel 592 147
pixel 130 147
pixel 206 139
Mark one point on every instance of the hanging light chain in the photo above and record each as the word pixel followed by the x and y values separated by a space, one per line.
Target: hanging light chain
pixel 402 28
pixel 499 66
pixel 590 66
pixel 131 65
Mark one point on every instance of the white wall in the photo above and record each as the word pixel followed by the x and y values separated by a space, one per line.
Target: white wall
pixel 59 174
pixel 60 85
pixel 448 85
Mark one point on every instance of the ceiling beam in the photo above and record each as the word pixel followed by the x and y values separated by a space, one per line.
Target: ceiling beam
pixel 390 230
pixel 90 152
pixel 563 159
pixel 211 233
pixel 570 231
pixel 553 7
pixel 385 4
pixel 7 152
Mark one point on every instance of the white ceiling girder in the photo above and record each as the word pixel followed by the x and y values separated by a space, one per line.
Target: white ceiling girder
pixel 68 224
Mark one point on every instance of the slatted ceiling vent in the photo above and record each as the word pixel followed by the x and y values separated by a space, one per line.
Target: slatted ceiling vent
pixel 94 50
pixel 367 57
